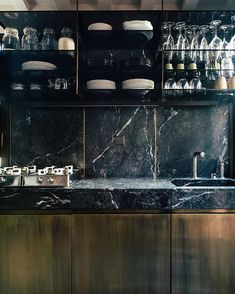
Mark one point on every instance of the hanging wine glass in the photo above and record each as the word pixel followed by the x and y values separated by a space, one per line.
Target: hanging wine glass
pixel 169 45
pixel 194 44
pixel 226 61
pixel 216 43
pixel 187 32
pixel 231 45
pixel 225 43
pixel 204 44
pixel 180 44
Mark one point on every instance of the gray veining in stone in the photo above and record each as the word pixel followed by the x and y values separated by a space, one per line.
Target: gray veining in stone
pixel 46 137
pixel 105 158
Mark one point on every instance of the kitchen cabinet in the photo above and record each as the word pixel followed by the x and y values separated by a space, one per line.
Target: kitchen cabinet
pixel 120 253
pixel 203 255
pixel 35 254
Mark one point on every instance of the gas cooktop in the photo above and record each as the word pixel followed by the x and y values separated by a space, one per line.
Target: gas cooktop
pixel 30 176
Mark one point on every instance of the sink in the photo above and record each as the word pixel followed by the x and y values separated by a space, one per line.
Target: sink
pixel 204 182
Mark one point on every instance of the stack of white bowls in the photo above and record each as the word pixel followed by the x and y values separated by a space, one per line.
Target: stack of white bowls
pixel 137 84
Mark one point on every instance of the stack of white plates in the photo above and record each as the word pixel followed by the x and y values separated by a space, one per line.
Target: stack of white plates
pixel 38 65
pixel 136 84
pixel 141 25
pixel 99 26
pixel 101 85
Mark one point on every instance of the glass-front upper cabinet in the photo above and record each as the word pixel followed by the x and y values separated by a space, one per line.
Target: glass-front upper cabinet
pixel 38 55
pixel 121 58
pixel 198 53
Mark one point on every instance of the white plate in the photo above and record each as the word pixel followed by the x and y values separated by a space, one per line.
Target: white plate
pixel 142 25
pixel 99 26
pixel 100 84
pixel 38 65
pixel 138 84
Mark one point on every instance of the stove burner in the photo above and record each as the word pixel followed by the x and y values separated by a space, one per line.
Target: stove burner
pixel 29 176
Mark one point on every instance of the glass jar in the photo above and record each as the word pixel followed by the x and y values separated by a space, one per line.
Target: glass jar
pixel 10 40
pixel 49 41
pixel 66 41
pixel 29 40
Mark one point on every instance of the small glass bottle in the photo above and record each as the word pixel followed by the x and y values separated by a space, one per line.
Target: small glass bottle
pixel 49 41
pixel 10 40
pixel 29 40
pixel 66 41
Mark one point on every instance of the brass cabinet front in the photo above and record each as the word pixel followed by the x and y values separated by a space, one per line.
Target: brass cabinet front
pixel 120 254
pixel 35 254
pixel 203 253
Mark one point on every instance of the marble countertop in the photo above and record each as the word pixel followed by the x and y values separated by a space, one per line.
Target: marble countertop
pixel 117 194
pixel 136 184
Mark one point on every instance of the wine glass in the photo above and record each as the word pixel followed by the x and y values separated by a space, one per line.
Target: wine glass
pixel 180 44
pixel 231 45
pixel 216 43
pixel 194 43
pixel 204 44
pixel 169 45
pixel 187 33
pixel 225 43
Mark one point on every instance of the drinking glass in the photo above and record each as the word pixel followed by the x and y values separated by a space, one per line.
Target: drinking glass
pixel 216 43
pixel 225 28
pixel 182 85
pixel 29 40
pixel 180 43
pixel 169 45
pixel 49 41
pixel 10 40
pixel 187 34
pixel 204 44
pixel 195 84
pixel 231 45
pixel 226 61
pixel 194 44
pixel 170 85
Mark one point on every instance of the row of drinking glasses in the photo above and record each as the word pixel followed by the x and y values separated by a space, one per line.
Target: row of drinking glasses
pixel 30 41
pixel 193 41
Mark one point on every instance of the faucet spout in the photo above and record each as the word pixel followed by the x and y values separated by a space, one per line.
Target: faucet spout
pixel 195 157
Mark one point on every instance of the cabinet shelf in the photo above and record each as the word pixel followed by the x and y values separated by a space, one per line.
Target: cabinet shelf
pixel 120 39
pixel 13 59
pixel 68 98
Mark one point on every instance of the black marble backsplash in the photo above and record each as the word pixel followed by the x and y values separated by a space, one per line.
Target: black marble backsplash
pixel 123 142
pixel 46 137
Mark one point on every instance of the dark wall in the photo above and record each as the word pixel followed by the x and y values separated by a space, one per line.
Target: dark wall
pixel 123 142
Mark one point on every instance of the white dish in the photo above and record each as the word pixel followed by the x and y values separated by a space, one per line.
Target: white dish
pixel 138 84
pixel 38 65
pixel 99 26
pixel 142 25
pixel 101 85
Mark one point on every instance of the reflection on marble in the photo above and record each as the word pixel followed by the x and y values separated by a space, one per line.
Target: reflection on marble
pixel 181 132
pixel 106 157
pixel 46 137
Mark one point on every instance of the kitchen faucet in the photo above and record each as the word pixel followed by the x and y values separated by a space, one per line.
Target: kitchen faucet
pixel 195 157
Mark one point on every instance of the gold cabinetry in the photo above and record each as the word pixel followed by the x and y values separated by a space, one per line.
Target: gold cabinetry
pixel 203 253
pixel 120 253
pixel 35 254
